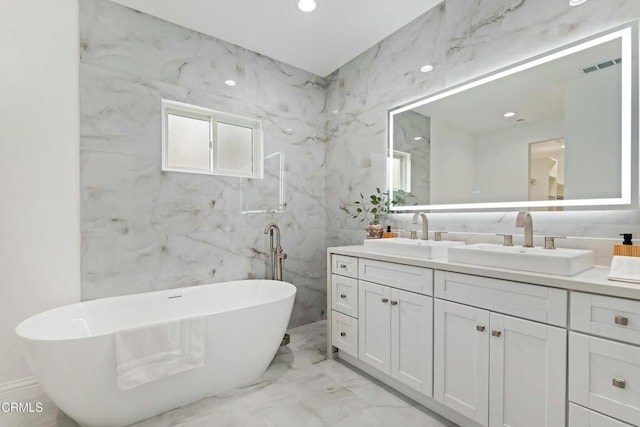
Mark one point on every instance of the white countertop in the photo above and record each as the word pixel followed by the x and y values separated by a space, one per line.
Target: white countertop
pixel 593 280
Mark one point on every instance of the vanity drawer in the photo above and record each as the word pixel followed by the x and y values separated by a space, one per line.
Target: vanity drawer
pixel 539 303
pixel 407 277
pixel 344 295
pixel 344 265
pixel 609 317
pixel 344 333
pixel 605 376
pixel 583 417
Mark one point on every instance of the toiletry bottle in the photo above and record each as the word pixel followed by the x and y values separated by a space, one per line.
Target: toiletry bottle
pixel 627 248
pixel 388 234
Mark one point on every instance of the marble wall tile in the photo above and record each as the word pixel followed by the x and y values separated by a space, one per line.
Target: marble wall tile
pixel 144 229
pixel 462 40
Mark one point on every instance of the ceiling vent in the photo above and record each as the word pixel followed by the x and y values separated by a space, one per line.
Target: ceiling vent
pixel 601 66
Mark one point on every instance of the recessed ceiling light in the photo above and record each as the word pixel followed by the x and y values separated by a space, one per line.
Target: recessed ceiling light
pixel 509 114
pixel 307 5
pixel 576 2
pixel 417 138
pixel 334 112
pixel 426 68
pixel 230 82
pixel 563 146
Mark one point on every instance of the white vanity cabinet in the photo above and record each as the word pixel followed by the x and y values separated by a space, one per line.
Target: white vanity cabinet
pixel 344 303
pixel 497 369
pixel 395 327
pixel 604 375
pixel 395 334
pixel 489 351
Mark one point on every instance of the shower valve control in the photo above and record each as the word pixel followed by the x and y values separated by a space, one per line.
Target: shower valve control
pixel 343 296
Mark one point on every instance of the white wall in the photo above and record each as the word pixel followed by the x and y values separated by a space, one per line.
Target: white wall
pixel 503 159
pixel 453 175
pixel 39 184
pixel 590 128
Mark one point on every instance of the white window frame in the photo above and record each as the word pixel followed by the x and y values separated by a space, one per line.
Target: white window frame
pixel 213 117
pixel 404 171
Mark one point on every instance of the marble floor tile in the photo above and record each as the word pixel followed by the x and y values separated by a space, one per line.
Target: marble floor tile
pixel 300 389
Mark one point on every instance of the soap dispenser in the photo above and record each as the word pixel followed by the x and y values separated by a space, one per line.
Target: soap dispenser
pixel 627 248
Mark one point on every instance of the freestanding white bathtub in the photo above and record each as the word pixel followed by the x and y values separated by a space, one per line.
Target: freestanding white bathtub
pixel 71 349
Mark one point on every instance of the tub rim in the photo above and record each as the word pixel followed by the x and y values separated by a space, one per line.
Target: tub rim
pixel 19 330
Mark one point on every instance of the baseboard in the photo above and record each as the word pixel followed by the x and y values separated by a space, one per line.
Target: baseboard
pixel 20 390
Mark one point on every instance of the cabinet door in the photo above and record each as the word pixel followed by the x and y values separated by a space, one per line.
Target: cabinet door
pixel 461 359
pixel 528 373
pixel 411 339
pixel 374 326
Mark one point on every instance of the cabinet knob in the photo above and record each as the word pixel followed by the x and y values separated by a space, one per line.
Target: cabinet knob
pixel 480 328
pixel 343 334
pixel 394 302
pixel 496 333
pixel 343 296
pixel 621 320
pixel 385 300
pixel 343 265
pixel 617 382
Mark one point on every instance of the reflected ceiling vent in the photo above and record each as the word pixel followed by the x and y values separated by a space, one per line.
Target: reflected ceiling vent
pixel 601 66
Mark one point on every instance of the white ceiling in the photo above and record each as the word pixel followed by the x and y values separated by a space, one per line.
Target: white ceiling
pixel 319 42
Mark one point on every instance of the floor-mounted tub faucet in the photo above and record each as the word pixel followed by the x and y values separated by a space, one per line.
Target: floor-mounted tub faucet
pixel 277 254
pixel 524 220
pixel 425 224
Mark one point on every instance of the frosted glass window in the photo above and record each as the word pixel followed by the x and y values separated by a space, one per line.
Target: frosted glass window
pixel 199 140
pixel 188 143
pixel 234 148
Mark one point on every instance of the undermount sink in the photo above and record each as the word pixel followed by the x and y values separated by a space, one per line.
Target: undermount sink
pixel 426 249
pixel 564 262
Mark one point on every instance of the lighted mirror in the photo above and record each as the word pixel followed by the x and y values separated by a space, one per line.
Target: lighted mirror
pixel 548 133
pixel 199 140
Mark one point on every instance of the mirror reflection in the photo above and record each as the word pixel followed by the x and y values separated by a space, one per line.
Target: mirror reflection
pixel 552 132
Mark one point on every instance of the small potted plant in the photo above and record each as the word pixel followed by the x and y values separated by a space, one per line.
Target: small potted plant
pixel 374 208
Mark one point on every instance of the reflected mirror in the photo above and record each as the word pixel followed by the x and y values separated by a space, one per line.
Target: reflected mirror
pixel 551 132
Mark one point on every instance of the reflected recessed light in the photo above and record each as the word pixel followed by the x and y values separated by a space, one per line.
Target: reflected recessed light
pixel 426 68
pixel 509 114
pixel 334 112
pixel 417 138
pixel 307 5
pixel 576 2
pixel 230 82
pixel 563 146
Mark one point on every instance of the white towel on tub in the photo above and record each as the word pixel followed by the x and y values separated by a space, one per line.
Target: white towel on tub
pixel 151 352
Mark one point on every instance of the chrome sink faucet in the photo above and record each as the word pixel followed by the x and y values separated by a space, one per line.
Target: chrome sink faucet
pixel 425 224
pixel 524 220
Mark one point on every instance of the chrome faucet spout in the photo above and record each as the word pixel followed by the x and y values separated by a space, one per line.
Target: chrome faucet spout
pixel 272 229
pixel 425 224
pixel 525 220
